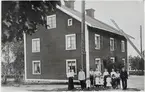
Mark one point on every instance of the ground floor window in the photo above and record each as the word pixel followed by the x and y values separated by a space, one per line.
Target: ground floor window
pixel 98 63
pixel 71 64
pixel 36 67
pixel 124 61
pixel 112 59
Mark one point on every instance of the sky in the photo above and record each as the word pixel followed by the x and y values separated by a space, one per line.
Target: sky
pixel 129 15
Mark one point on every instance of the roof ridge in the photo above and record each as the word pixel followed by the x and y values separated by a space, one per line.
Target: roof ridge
pixel 91 21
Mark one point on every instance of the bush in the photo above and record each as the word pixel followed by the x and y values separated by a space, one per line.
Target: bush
pixel 136 72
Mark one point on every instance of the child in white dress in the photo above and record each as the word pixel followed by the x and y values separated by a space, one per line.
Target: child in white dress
pixel 88 83
pixel 108 80
pixel 101 81
pixel 97 74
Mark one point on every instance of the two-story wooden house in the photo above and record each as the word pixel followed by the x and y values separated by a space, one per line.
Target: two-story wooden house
pixel 51 51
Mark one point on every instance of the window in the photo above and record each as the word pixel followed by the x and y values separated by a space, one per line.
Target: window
pixel 97 41
pixel 71 64
pixel 36 67
pixel 124 61
pixel 123 46
pixel 51 21
pixel 69 22
pixel 112 59
pixel 98 63
pixel 111 44
pixel 36 45
pixel 70 41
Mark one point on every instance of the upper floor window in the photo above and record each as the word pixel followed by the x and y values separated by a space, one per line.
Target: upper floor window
pixel 70 41
pixel 36 67
pixel 36 45
pixel 111 44
pixel 71 64
pixel 97 41
pixel 69 22
pixel 51 21
pixel 123 46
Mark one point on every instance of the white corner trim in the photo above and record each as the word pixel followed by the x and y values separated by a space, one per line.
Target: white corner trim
pixel 71 14
pixel 87 51
pixel 24 37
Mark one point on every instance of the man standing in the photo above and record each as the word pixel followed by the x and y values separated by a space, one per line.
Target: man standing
pixel 124 77
pixel 81 77
pixel 105 75
pixel 92 76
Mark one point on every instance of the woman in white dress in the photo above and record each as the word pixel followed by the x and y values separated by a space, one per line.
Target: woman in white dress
pixel 97 75
pixel 105 75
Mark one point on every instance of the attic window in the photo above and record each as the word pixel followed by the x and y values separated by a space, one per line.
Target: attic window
pixel 69 22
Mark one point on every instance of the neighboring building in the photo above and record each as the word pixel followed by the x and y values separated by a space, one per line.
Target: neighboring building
pixel 51 51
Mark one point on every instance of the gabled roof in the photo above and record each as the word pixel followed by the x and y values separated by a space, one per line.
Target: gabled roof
pixel 92 22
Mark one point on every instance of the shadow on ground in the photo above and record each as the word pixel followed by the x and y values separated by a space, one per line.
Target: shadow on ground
pixel 91 89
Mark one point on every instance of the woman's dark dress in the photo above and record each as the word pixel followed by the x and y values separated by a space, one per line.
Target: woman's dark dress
pixel 70 83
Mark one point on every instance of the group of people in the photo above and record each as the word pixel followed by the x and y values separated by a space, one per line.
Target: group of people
pixel 106 80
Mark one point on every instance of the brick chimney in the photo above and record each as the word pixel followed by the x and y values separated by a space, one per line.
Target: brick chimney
pixel 69 4
pixel 90 12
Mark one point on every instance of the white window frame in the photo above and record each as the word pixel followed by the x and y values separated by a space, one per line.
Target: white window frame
pixel 66 41
pixel 124 62
pixel 97 35
pixel 54 21
pixel 69 23
pixel 68 60
pixel 112 49
pixel 122 46
pixel 112 58
pixel 33 67
pixel 99 63
pixel 34 45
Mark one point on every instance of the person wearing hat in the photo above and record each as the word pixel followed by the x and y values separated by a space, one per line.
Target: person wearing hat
pixel 124 77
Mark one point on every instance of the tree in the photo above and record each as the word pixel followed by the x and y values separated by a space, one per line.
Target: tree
pixel 110 65
pixel 19 17
pixel 136 63
pixel 24 16
pixel 7 58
